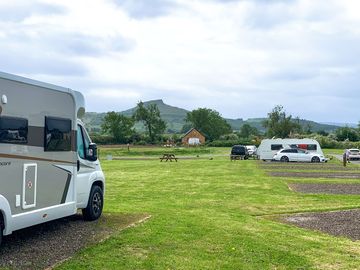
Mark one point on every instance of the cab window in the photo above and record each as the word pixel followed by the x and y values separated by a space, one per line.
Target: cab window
pixel 83 142
pixel 80 143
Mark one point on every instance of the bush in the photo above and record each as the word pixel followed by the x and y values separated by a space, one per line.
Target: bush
pixel 102 139
pixel 229 143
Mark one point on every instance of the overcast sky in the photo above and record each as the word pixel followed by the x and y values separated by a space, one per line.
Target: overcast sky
pixel 238 57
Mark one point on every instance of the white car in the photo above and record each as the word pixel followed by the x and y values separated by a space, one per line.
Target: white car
pixel 299 155
pixel 354 154
pixel 251 149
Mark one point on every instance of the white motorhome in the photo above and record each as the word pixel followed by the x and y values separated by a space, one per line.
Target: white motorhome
pixel 269 147
pixel 48 164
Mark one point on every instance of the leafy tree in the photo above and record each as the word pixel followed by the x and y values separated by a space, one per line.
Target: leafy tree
pixel 186 127
pixel 278 124
pixel 150 116
pixel 246 131
pixel 308 129
pixel 208 122
pixel 347 133
pixel 119 126
pixel 323 133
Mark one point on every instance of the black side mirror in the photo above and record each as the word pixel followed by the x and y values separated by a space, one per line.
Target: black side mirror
pixel 92 152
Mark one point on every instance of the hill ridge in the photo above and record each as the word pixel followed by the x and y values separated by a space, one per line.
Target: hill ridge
pixel 175 119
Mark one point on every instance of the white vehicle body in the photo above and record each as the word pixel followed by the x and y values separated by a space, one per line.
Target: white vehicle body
pixel 298 155
pixel 251 149
pixel 48 165
pixel 354 154
pixel 269 147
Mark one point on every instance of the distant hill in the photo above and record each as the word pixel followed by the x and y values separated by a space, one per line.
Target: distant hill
pixel 174 117
pixel 352 125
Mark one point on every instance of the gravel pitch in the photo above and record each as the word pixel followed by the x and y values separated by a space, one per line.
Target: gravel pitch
pixel 308 166
pixel 44 245
pixel 351 189
pixel 338 223
pixel 340 175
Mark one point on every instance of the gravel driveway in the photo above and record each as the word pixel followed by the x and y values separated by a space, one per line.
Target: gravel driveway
pixel 338 223
pixel 44 245
pixel 351 189
pixel 341 175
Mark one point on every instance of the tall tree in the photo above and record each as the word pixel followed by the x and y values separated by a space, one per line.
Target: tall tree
pixel 246 131
pixel 278 124
pixel 209 122
pixel 150 116
pixel 347 133
pixel 118 125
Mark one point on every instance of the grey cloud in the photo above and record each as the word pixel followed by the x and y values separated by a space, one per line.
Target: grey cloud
pixel 70 43
pixel 20 10
pixel 142 9
pixel 26 62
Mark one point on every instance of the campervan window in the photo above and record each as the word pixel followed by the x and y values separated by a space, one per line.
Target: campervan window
pixel 57 134
pixel 13 130
pixel 312 147
pixel 276 147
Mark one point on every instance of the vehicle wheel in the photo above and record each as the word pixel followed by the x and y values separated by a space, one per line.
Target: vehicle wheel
pixel 315 159
pixel 95 205
pixel 284 159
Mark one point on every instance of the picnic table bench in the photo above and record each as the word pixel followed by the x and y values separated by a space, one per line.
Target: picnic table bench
pixel 168 157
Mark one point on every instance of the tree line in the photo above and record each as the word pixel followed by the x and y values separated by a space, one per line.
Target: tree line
pixel 121 129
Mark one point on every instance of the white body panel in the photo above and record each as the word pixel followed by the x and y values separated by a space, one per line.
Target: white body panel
pixel 28 205
pixel 265 152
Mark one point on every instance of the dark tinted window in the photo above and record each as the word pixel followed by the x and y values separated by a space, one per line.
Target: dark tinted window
pixel 312 147
pixel 57 134
pixel 13 130
pixel 238 150
pixel 289 151
pixel 276 146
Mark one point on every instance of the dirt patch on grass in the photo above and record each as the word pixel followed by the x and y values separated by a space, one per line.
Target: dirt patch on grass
pixel 45 245
pixel 351 189
pixel 341 175
pixel 338 223
pixel 306 166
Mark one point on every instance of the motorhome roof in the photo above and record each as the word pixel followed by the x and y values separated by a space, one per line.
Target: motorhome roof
pixel 78 97
pixel 20 79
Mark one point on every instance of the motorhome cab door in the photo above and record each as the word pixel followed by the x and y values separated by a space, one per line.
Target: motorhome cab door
pixel 85 167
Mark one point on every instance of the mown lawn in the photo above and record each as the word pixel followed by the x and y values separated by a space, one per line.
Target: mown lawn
pixel 213 214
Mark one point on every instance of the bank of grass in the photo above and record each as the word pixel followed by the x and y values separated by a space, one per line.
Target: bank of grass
pixel 213 214
pixel 122 151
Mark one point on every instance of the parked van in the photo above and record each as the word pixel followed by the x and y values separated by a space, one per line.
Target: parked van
pixel 269 147
pixel 48 164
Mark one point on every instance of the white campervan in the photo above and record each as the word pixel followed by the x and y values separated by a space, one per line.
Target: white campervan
pixel 269 147
pixel 48 164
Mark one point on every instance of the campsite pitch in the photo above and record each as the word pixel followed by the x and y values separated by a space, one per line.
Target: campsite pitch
pixel 47 244
pixel 212 214
pixel 338 223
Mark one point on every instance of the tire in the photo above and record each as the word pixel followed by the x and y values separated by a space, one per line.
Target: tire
pixel 284 159
pixel 315 160
pixel 95 204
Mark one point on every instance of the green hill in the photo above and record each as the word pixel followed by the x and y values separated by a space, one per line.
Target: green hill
pixel 174 118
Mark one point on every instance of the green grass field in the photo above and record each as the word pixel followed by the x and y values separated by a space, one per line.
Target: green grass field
pixel 213 214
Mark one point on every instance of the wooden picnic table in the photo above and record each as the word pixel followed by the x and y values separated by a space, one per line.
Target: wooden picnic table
pixel 168 157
